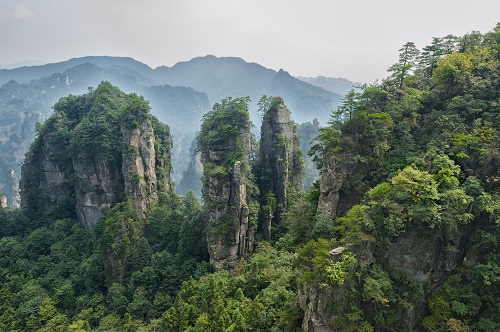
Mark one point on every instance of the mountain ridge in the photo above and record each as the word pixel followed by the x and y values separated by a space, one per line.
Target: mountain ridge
pixel 333 84
pixel 26 73
pixel 189 87
pixel 306 101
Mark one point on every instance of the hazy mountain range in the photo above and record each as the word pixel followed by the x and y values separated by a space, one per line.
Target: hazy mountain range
pixel 178 95
pixel 336 85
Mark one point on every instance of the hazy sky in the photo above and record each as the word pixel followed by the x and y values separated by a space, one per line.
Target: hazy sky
pixel 355 39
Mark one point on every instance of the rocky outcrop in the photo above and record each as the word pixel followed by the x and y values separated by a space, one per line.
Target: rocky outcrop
pixel 3 201
pixel 316 304
pixel 334 172
pixel 425 256
pixel 138 167
pixel 326 306
pixel 47 173
pixel 224 143
pixel 99 187
pixel 229 236
pixel 68 173
pixel 419 254
pixel 281 162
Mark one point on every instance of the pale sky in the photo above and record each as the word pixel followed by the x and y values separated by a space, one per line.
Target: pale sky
pixel 354 39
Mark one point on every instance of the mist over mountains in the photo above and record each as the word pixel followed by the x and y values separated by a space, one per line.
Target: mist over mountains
pixel 333 84
pixel 178 95
pixel 230 76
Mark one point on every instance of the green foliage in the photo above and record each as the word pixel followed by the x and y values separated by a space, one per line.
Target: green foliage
pixel 257 297
pixel 224 122
pixel 264 104
pixel 315 261
pixel 377 286
pixel 422 150
pixel 120 237
pixel 411 197
pixel 104 278
pixel 98 129
pixel 407 61
pixel 453 73
pixel 299 222
pixel 323 227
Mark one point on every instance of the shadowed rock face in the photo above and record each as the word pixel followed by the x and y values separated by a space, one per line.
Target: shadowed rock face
pixel 418 253
pixel 281 164
pixel 336 168
pixel 61 178
pixel 47 173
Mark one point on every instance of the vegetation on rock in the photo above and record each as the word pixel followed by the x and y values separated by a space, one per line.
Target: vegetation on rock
pixel 401 232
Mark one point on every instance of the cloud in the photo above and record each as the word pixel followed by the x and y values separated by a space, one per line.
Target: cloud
pixel 20 11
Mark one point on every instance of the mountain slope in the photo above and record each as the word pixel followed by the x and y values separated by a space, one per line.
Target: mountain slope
pixel 229 76
pixel 125 64
pixel 336 85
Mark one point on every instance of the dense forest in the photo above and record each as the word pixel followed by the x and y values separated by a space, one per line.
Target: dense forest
pixel 400 231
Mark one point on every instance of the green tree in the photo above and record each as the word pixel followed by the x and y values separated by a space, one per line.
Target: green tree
pixel 407 61
pixel 121 236
pixel 116 299
pixel 453 74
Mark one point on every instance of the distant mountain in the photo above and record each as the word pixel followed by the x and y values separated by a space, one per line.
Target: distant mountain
pixel 220 77
pixel 29 93
pixel 23 63
pixel 178 95
pixel 123 65
pixel 336 85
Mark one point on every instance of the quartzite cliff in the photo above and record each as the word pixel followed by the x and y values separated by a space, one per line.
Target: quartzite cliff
pixel 224 142
pixel 97 149
pixel 281 165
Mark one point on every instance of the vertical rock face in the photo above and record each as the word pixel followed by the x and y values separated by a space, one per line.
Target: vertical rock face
pixel 335 170
pixel 239 207
pixel 138 167
pixel 95 151
pixel 99 186
pixel 316 304
pixel 224 143
pixel 47 173
pixel 3 201
pixel 281 162
pixel 418 253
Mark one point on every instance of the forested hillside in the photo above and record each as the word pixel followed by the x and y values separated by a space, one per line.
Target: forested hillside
pixel 399 233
